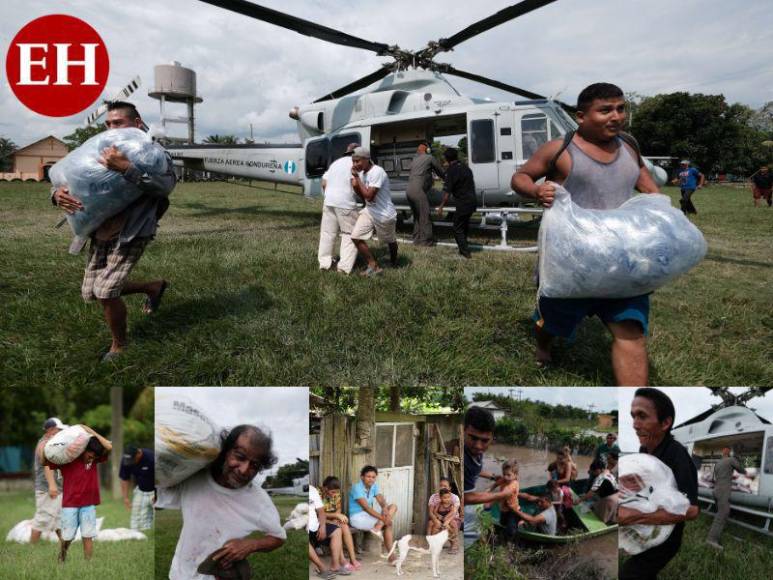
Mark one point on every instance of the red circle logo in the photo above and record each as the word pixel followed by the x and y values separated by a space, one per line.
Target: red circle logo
pixel 57 65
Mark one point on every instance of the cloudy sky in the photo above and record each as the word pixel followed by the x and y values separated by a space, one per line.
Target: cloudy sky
pixel 251 72
pixel 282 410
pixel 688 402
pixel 604 399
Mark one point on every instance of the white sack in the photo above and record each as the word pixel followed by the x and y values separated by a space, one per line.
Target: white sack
pixel 67 445
pixel 21 532
pixel 655 489
pixel 299 517
pixel 614 253
pixel 186 439
pixel 103 192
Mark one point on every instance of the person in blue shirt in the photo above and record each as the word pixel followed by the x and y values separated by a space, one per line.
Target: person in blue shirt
pixel 362 516
pixel 138 463
pixel 689 179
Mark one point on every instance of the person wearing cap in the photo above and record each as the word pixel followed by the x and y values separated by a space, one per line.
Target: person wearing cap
pixel 339 214
pixel 689 179
pixel 419 186
pixel 139 463
pixel 379 216
pixel 461 184
pixel 762 186
pixel 48 487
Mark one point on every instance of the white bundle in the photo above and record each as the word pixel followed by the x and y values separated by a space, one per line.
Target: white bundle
pixel 67 445
pixel 646 484
pixel 616 253
pixel 103 192
pixel 21 532
pixel 186 439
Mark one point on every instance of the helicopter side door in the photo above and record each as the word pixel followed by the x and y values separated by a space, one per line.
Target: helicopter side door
pixel 482 152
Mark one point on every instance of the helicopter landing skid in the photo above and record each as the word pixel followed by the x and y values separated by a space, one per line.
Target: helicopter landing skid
pixel 766 516
pixel 500 214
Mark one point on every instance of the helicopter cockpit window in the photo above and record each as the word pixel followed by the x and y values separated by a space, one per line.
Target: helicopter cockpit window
pixel 534 130
pixel 482 140
pixel 555 133
pixel 339 143
pixel 317 154
pixel 769 456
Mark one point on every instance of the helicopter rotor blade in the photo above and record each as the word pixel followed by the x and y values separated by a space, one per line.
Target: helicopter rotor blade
pixel 448 69
pixel 298 25
pixel 492 21
pixel 358 84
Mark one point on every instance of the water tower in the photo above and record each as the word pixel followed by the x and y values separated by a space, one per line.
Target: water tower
pixel 176 84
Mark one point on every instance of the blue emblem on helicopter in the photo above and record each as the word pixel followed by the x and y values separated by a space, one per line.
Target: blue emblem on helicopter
pixel 290 167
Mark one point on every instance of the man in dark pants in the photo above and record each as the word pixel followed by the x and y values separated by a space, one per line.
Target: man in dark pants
pixel 419 185
pixel 460 184
pixel 723 484
pixel 689 179
pixel 653 417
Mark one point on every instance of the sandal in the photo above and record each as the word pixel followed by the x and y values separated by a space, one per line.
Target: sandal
pixel 151 303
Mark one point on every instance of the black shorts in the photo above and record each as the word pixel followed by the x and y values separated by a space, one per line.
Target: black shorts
pixel 329 528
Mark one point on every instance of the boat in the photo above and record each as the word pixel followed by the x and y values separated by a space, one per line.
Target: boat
pixel 583 523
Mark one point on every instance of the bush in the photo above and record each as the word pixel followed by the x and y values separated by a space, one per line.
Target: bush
pixel 510 431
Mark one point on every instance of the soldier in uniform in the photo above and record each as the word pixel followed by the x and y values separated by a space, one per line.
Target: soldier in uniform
pixel 723 483
pixel 419 185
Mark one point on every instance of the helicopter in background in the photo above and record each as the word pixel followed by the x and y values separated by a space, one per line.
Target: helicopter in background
pixel 732 424
pixel 413 102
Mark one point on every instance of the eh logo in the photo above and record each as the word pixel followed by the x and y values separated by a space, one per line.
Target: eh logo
pixel 57 65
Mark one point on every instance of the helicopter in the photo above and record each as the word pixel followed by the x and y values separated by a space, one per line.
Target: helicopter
pixel 413 103
pixel 732 424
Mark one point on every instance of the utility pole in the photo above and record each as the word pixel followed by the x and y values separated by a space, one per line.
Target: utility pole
pixel 116 436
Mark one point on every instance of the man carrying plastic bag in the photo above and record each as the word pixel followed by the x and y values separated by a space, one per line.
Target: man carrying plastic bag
pixel 653 417
pixel 118 243
pixel 601 169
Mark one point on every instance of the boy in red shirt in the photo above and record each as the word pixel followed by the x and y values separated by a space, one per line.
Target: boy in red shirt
pixel 80 494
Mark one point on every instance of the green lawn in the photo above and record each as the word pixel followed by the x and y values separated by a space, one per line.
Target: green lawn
pixel 747 555
pixel 127 559
pixel 290 562
pixel 247 305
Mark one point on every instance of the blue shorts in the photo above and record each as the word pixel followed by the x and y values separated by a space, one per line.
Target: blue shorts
pixel 75 517
pixel 562 316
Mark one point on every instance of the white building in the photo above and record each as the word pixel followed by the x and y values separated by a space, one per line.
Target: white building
pixel 491 406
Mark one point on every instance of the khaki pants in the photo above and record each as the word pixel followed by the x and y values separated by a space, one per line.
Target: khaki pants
pixel 337 221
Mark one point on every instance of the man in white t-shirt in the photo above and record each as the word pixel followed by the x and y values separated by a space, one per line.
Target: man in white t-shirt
pixel 324 533
pixel 339 214
pixel 222 506
pixel 379 215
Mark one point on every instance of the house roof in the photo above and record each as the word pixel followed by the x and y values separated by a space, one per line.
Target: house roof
pixel 20 149
pixel 490 405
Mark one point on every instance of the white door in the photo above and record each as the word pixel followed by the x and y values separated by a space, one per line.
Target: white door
pixel 395 453
pixel 482 150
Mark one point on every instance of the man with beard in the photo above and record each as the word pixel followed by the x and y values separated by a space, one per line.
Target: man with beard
pixel 653 417
pixel 600 166
pixel 222 506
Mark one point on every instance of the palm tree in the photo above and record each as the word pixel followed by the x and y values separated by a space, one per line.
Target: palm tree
pixel 221 140
pixel 7 147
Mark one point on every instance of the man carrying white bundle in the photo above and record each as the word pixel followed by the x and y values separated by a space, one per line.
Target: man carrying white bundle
pixel 221 506
pixel 118 243
pixel 600 166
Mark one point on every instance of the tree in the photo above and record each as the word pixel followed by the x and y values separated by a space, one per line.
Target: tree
pixel 81 135
pixel 7 147
pixel 222 139
pixel 286 473
pixel 715 136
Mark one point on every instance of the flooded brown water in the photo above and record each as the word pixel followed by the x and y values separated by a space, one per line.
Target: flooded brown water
pixel 532 471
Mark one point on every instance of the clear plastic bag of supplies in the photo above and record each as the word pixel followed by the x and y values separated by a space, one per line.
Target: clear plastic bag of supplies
pixel 103 192
pixel 67 445
pixel 617 253
pixel 187 440
pixel 646 484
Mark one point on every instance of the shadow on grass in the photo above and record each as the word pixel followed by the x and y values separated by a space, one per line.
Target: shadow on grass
pixel 736 261
pixel 203 210
pixel 175 317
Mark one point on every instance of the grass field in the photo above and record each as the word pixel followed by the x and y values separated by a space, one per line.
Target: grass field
pixel 247 305
pixel 290 562
pixel 747 555
pixel 128 559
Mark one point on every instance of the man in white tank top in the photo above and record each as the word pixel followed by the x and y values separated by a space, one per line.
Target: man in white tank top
pixel 600 170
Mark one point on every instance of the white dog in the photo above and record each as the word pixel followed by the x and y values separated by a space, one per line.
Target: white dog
pixel 409 542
